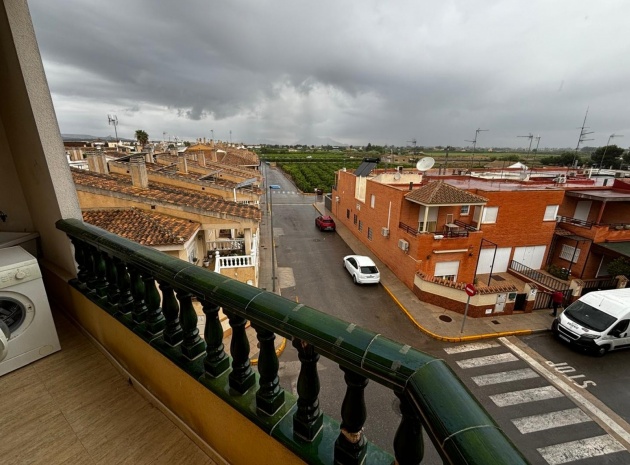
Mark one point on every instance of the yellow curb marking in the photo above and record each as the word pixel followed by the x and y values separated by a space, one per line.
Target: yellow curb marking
pixel 521 332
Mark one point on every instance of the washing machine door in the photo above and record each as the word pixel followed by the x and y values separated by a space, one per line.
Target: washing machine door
pixel 4 340
pixel 16 312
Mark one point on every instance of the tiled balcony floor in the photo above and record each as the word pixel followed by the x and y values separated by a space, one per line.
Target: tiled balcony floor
pixel 75 407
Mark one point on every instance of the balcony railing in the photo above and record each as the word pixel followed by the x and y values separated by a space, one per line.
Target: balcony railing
pixel 226 244
pixel 466 226
pixel 121 277
pixel 575 221
pixel 538 277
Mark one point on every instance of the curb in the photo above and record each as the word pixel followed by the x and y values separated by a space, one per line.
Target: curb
pixel 476 337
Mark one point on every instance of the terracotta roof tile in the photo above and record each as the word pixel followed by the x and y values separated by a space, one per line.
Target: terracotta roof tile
pixel 441 193
pixel 157 192
pixel 143 227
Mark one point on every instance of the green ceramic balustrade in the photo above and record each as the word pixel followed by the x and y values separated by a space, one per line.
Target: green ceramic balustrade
pixel 431 395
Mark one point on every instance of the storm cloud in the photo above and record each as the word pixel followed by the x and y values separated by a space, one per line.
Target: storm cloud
pixel 352 71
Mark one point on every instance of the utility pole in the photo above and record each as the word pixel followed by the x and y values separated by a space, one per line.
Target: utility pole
pixel 537 143
pixel 530 137
pixel 474 142
pixel 583 134
pixel 113 120
pixel 612 136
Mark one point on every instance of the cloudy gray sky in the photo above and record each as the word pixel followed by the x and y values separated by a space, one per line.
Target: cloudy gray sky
pixel 355 71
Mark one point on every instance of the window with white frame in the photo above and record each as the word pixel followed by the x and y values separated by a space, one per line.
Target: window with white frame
pixel 372 200
pixel 570 253
pixel 464 210
pixel 490 215
pixel 550 213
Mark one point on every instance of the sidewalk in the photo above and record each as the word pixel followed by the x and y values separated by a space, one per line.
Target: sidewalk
pixel 439 322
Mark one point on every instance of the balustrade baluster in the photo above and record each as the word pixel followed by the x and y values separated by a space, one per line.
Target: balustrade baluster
pixel 270 396
pixel 90 267
pixel 192 345
pixel 242 377
pixel 125 297
pixel 408 445
pixel 139 311
pixel 155 322
pixel 100 269
pixel 81 259
pixel 217 362
pixel 308 419
pixel 351 445
pixel 112 280
pixel 173 333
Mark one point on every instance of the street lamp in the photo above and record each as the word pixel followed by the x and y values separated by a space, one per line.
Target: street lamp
pixel 606 148
pixel 273 245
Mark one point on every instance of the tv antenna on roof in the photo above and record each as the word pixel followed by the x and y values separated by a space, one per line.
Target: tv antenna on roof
pixel 413 144
pixel 531 138
pixel 113 119
pixel 583 134
pixel 474 141
pixel 425 164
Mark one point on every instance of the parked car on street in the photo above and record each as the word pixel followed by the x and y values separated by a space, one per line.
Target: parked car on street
pixel 325 223
pixel 362 269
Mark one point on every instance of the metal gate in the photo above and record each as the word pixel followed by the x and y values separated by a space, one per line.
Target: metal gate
pixel 543 300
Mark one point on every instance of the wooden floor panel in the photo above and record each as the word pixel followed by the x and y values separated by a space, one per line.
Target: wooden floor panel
pixel 74 407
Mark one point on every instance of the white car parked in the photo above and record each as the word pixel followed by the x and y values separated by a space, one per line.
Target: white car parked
pixel 362 269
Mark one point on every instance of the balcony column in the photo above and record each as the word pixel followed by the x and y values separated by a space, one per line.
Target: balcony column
pixel 113 293
pixel 248 241
pixel 100 268
pixel 270 396
pixel 192 345
pixel 408 445
pixel 351 445
pixel 217 362
pixel 155 322
pixel 308 419
pixel 139 311
pixel 242 377
pixel 173 333
pixel 81 258
pixel 125 298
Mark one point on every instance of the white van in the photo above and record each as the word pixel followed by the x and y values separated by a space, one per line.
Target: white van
pixel 597 322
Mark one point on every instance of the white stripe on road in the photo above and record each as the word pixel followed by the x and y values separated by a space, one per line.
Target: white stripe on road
pixel 470 347
pixel 504 377
pixel 550 420
pixel 487 360
pixel 527 395
pixel 582 449
pixel 603 419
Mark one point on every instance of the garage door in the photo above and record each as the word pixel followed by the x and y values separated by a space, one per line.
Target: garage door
pixel 447 270
pixel 501 260
pixel 531 257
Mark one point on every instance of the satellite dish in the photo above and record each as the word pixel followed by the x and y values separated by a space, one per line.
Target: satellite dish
pixel 425 164
pixel 397 176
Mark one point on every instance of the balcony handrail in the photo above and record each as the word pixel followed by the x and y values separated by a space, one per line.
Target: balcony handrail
pixel 575 221
pixel 408 229
pixel 119 275
pixel 466 226
pixel 538 277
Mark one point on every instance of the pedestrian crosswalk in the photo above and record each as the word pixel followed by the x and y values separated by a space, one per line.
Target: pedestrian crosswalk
pixel 552 427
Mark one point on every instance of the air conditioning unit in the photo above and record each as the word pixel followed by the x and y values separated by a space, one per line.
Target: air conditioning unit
pixel 403 244
pixel 385 231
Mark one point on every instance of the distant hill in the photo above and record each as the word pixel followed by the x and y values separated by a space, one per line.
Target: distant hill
pixel 319 141
pixel 81 137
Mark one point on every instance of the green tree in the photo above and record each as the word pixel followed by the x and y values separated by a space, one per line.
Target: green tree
pixel 564 159
pixel 142 137
pixel 619 266
pixel 607 156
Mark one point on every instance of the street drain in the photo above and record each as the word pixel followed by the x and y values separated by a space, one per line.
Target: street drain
pixel 446 318
pixel 496 322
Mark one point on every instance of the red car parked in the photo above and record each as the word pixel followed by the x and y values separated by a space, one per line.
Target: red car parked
pixel 325 223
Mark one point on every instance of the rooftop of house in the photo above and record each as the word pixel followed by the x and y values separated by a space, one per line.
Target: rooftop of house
pixel 143 227
pixel 441 193
pixel 157 192
pixel 228 155
pixel 235 170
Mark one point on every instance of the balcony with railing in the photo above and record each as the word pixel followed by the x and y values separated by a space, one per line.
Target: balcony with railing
pixel 136 302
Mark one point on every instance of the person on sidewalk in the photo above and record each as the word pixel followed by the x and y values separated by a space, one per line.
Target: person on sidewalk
pixel 557 298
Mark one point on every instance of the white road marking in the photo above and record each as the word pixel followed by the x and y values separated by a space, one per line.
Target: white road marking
pixel 582 449
pixel 487 360
pixel 550 420
pixel 504 377
pixel 571 392
pixel 527 395
pixel 470 347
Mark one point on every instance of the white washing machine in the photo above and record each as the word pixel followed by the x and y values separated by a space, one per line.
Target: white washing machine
pixel 24 312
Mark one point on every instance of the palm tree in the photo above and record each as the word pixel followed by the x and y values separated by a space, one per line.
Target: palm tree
pixel 142 137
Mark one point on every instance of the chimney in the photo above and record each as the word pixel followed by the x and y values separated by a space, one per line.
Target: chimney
pixel 411 185
pixel 204 141
pixel 138 170
pixel 182 164
pixel 97 162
